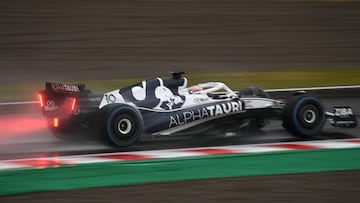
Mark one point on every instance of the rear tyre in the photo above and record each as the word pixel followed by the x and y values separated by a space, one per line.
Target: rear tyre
pixel 304 116
pixel 123 125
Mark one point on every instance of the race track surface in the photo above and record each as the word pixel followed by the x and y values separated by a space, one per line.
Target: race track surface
pixel 34 139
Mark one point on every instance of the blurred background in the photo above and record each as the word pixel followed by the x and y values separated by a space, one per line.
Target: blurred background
pixel 111 39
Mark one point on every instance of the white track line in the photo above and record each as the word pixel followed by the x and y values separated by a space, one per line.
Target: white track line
pixel 57 161
pixel 314 88
pixel 18 103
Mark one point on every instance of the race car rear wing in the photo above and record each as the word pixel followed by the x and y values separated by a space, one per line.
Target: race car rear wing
pixel 64 88
pixel 61 100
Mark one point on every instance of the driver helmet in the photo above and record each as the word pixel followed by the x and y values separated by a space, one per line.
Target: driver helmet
pixel 194 89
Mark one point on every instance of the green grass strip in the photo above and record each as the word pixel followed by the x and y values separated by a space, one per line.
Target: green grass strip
pixel 167 170
pixel 236 81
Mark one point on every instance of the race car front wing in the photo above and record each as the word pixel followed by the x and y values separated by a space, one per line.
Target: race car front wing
pixel 343 117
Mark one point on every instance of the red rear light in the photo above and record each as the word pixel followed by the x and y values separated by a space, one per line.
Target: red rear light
pixel 56 122
pixel 73 104
pixel 41 100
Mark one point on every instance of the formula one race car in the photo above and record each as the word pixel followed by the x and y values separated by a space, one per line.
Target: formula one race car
pixel 165 106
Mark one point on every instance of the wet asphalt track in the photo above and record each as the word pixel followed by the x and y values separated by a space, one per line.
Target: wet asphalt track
pixel 39 142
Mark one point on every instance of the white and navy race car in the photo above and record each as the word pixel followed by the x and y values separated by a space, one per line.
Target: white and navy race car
pixel 166 106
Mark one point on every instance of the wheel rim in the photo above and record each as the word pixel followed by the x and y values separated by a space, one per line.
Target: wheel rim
pixel 124 126
pixel 309 116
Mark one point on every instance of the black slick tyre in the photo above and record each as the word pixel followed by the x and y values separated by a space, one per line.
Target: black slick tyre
pixel 123 125
pixel 304 116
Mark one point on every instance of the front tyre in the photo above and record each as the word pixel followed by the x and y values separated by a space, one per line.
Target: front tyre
pixel 304 116
pixel 123 125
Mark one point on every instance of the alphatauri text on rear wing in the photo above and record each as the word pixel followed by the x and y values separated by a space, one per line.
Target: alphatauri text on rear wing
pixel 65 88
